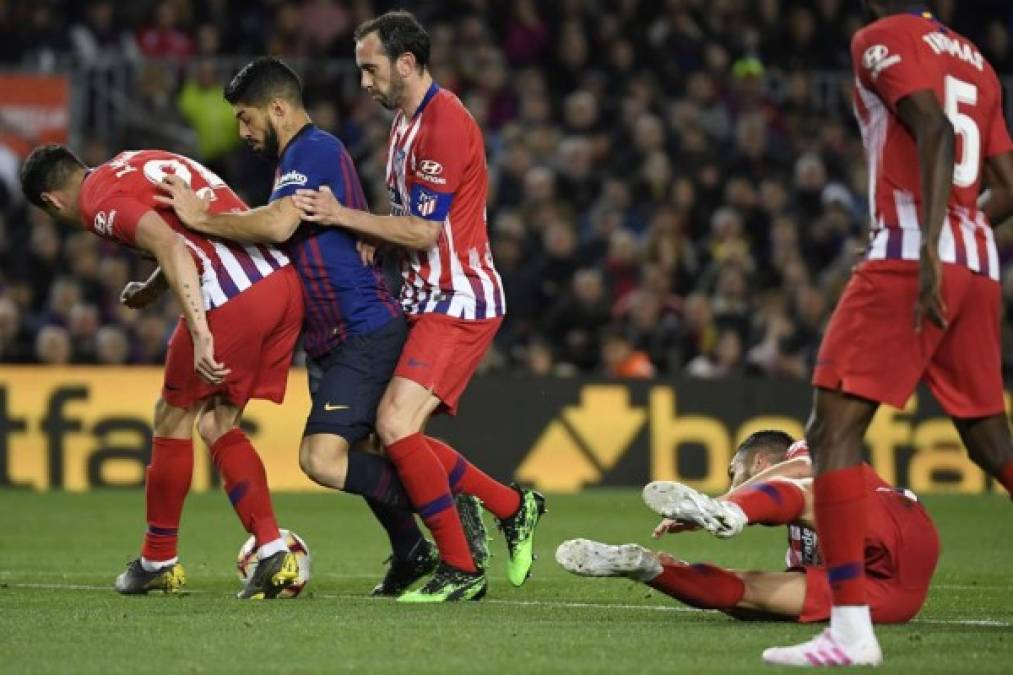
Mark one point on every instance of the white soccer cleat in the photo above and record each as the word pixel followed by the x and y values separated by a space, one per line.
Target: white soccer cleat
pixel 595 559
pixel 681 502
pixel 825 651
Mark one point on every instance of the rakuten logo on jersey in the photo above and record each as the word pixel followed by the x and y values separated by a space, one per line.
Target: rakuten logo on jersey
pixel 291 178
pixel 104 222
pixel 429 171
pixel 877 58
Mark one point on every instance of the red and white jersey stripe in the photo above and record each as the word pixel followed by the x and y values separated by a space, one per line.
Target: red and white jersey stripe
pixel 907 54
pixel 115 196
pixel 436 170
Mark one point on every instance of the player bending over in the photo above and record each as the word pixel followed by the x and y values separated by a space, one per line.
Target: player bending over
pixel 772 486
pixel 242 308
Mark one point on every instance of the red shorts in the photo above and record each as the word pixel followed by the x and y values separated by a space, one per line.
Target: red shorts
pixel 870 348
pixel 442 353
pixel 901 552
pixel 255 334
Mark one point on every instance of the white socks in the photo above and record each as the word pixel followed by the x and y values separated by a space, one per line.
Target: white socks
pixel 270 548
pixel 851 624
pixel 155 565
pixel 650 570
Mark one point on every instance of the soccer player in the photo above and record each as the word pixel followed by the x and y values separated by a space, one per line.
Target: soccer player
pixel 438 180
pixel 354 328
pixel 242 308
pixel 929 107
pixel 772 486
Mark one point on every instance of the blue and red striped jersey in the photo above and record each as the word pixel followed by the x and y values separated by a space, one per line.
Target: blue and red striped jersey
pixel 343 296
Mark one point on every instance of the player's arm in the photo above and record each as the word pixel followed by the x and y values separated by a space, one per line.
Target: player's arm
pixel 921 113
pixel 997 201
pixel 796 469
pixel 155 236
pixel 273 223
pixel 321 206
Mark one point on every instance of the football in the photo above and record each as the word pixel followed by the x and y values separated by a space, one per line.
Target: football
pixel 246 562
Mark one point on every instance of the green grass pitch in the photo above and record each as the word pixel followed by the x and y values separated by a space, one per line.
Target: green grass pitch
pixel 58 614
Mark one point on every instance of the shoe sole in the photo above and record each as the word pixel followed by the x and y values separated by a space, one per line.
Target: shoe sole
pixel 526 553
pixel 588 558
pixel 677 501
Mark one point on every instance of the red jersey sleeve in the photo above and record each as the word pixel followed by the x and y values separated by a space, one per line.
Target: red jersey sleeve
pixel 441 154
pixel 891 62
pixel 797 449
pixel 115 217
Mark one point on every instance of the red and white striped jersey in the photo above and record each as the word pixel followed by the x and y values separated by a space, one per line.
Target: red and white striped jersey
pixel 116 194
pixel 893 58
pixel 803 544
pixel 436 170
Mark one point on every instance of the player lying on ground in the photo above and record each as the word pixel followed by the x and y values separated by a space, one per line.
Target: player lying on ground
pixel 438 180
pixel 354 329
pixel 772 486
pixel 242 308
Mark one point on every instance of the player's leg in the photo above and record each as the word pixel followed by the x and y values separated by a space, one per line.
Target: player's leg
pixel 245 482
pixel 775 595
pixel 989 445
pixel 773 502
pixel 403 412
pixel 167 482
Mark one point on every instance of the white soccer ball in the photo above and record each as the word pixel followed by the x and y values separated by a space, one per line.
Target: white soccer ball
pixel 246 561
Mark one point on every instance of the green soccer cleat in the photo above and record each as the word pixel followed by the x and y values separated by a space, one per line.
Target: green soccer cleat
pixel 519 532
pixel 272 574
pixel 402 574
pixel 470 510
pixel 136 580
pixel 449 584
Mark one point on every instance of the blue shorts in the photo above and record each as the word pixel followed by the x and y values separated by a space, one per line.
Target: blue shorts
pixel 347 383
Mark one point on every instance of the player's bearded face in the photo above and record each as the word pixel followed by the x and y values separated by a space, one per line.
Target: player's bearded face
pixel 391 98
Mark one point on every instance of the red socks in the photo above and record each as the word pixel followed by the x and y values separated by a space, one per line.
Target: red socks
pixel 700 585
pixel 165 488
pixel 775 502
pixel 840 523
pixel 501 500
pixel 425 481
pixel 246 484
pixel 1006 477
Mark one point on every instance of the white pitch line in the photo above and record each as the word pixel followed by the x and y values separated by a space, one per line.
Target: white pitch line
pixel 544 603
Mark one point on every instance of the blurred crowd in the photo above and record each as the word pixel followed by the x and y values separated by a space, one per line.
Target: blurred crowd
pixel 677 186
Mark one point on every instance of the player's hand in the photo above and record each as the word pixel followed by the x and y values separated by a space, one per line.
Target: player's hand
pixel 204 362
pixel 138 294
pixel 319 206
pixel 669 526
pixel 189 208
pixel 930 291
pixel 367 252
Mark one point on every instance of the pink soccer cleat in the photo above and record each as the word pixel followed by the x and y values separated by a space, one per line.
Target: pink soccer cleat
pixel 825 651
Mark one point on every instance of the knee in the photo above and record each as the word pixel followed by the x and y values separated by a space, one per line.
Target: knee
pixel 211 427
pixel 324 462
pixel 392 423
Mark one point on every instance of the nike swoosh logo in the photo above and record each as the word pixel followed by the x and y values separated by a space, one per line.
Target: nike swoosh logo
pixel 329 407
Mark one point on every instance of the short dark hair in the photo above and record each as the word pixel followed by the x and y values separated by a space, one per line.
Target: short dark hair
pixel 47 169
pixel 767 442
pixel 261 80
pixel 399 33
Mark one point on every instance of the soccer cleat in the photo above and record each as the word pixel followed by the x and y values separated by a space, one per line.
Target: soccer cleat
pixel 822 651
pixel 470 510
pixel 136 580
pixel 272 574
pixel 402 574
pixel 519 532
pixel 681 502
pixel 448 584
pixel 595 559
